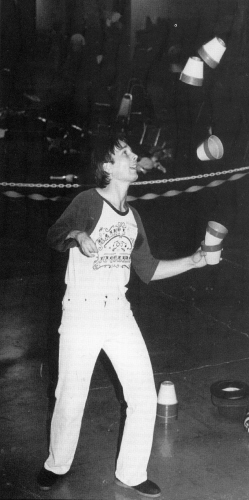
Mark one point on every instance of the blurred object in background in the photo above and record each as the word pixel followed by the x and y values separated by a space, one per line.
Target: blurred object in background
pixel 146 164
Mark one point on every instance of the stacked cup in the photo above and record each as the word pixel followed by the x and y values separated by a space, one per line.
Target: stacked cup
pixel 215 233
pixel 167 404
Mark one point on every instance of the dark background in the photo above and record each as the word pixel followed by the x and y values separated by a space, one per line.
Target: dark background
pixel 56 100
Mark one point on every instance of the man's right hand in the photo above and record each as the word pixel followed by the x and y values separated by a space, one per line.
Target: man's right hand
pixel 86 244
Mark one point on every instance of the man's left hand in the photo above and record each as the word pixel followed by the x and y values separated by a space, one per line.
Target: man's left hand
pixel 198 258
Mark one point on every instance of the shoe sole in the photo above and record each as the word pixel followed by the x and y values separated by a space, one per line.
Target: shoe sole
pixel 148 495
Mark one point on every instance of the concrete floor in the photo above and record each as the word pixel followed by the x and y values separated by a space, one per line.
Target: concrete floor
pixel 196 327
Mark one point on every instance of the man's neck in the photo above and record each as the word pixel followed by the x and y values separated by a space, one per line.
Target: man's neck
pixel 116 195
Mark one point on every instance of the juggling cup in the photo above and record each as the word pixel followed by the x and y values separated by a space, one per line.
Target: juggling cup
pixel 192 72
pixel 212 51
pixel 215 233
pixel 213 253
pixel 210 149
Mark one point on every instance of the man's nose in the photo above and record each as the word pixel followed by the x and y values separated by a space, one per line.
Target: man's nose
pixel 134 156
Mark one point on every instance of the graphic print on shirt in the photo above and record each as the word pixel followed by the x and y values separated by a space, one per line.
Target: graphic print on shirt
pixel 114 246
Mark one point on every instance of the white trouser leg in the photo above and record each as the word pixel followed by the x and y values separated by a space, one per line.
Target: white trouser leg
pixel 71 393
pixel 80 344
pixel 129 356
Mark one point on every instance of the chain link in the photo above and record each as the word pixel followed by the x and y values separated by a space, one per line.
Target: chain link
pixel 192 177
pixel 141 183
pixel 32 185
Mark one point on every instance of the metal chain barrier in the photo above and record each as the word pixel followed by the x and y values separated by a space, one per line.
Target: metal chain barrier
pixel 192 189
pixel 141 183
pixel 148 196
pixel 31 185
pixel 192 177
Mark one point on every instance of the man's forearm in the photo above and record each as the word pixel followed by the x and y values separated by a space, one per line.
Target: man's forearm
pixel 169 268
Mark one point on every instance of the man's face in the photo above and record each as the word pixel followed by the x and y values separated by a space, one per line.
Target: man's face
pixel 124 167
